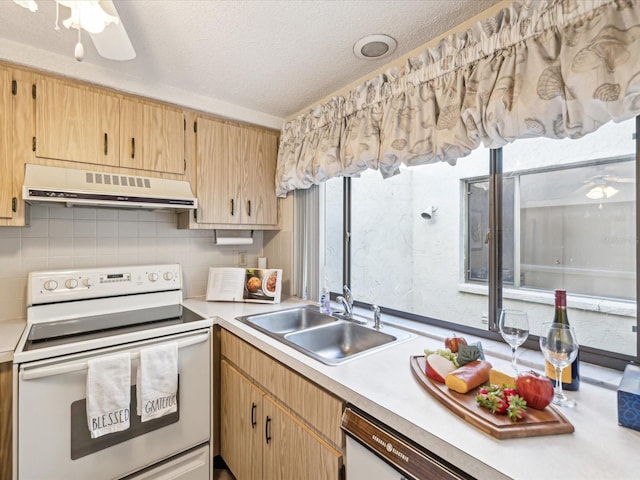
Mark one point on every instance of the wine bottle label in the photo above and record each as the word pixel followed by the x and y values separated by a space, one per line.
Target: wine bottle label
pixel 550 371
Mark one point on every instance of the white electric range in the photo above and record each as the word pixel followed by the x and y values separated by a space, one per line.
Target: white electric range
pixel 77 315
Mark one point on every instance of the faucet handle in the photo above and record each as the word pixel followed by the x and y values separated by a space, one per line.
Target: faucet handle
pixel 377 324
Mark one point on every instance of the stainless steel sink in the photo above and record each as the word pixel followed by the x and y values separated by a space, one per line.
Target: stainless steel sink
pixel 285 321
pixel 328 339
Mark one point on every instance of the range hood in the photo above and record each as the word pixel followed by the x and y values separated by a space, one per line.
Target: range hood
pixel 45 184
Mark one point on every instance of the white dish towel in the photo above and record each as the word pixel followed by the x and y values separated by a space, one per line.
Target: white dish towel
pixel 157 381
pixel 108 394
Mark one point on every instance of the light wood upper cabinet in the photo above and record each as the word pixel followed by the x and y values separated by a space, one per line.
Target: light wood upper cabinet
pixel 6 160
pixel 235 174
pixel 215 192
pixel 260 150
pixel 152 137
pixel 76 123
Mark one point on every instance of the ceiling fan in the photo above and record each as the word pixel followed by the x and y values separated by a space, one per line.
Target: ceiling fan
pixel 100 19
pixel 600 186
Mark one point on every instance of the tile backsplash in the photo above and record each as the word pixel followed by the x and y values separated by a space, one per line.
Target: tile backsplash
pixel 61 238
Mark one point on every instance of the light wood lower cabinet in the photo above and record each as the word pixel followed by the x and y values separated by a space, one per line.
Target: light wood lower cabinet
pixel 263 432
pixel 5 420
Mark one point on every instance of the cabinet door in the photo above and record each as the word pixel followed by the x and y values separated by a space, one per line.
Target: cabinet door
pixel 241 435
pixel 259 150
pixel 5 419
pixel 76 123
pixel 215 198
pixel 292 452
pixel 152 137
pixel 6 160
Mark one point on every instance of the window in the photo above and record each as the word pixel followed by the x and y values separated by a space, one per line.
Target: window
pixel 568 221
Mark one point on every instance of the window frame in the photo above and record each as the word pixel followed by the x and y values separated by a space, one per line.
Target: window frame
pixel 495 284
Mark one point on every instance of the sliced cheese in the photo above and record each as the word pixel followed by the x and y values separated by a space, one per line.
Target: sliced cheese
pixel 469 376
pixel 496 377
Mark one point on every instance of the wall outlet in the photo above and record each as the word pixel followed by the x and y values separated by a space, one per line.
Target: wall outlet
pixel 242 259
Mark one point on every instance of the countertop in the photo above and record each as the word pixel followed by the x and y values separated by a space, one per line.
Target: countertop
pixel 381 384
pixel 10 332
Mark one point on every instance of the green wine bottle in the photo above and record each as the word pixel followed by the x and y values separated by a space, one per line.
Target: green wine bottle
pixel 571 374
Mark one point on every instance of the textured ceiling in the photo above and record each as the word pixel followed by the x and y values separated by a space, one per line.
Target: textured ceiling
pixel 272 57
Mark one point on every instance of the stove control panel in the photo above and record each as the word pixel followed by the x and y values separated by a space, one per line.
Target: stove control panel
pixel 65 285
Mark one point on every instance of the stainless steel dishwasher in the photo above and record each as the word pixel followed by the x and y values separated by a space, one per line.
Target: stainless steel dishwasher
pixel 376 451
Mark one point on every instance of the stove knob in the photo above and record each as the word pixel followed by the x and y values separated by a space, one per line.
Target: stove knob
pixel 87 282
pixel 153 277
pixel 168 276
pixel 50 285
pixel 71 283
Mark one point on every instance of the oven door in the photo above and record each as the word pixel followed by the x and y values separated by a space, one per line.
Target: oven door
pixel 53 439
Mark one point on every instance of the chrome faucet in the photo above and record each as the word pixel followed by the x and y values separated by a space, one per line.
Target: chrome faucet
pixel 347 302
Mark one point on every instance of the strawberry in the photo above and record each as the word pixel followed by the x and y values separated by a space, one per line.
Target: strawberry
pixel 509 392
pixel 500 407
pixel 502 401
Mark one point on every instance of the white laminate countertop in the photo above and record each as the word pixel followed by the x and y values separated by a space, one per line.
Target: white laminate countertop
pixel 381 384
pixel 10 332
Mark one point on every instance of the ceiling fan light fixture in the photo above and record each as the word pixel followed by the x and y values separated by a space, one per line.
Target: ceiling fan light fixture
pixel 88 15
pixel 373 47
pixel 30 5
pixel 600 191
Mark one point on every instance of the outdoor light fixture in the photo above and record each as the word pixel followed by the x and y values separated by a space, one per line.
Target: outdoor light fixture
pixel 429 212
pixel 601 191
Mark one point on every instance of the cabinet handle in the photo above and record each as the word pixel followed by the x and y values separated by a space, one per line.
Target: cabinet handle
pixel 248 208
pixel 14 204
pixel 133 147
pixel 267 429
pixel 253 415
pixel 106 144
pixel 232 207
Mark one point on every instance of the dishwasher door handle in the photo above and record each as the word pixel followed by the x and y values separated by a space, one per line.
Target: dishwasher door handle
pixel 49 371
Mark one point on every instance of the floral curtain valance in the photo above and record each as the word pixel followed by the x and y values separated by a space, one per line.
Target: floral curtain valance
pixel 552 68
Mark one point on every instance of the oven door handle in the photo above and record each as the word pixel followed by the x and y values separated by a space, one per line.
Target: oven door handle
pixel 50 371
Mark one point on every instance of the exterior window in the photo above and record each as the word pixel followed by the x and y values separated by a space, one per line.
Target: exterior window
pixel 419 241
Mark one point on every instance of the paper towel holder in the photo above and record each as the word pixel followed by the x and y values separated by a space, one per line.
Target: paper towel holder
pixel 233 237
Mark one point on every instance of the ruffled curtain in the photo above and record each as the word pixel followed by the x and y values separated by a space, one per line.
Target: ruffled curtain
pixel 541 68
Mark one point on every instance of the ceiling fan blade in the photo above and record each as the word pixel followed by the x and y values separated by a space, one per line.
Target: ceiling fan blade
pixel 113 43
pixel 611 178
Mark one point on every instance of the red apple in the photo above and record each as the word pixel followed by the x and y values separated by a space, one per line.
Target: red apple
pixel 438 367
pixel 536 389
pixel 452 343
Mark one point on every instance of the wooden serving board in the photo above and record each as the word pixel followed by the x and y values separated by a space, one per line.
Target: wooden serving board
pixel 537 422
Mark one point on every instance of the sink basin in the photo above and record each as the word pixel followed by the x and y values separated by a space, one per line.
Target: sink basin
pixel 339 341
pixel 285 321
pixel 325 338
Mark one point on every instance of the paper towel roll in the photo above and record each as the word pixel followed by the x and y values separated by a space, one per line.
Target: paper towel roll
pixel 234 240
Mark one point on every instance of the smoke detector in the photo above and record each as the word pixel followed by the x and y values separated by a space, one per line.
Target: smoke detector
pixel 373 47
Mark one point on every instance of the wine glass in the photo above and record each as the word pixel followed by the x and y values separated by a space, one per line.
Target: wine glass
pixel 514 328
pixel 559 345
